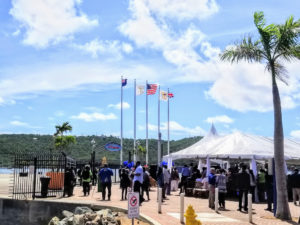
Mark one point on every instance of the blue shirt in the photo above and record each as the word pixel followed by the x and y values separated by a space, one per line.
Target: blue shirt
pixel 185 172
pixel 105 175
pixel 212 179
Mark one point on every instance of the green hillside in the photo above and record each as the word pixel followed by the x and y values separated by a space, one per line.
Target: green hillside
pixel 12 143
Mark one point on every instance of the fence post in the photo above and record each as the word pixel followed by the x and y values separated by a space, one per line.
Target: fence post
pixel 159 199
pixel 182 208
pixel 250 207
pixel 34 177
pixel 216 199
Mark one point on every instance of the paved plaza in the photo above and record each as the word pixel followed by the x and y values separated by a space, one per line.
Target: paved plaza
pixel 170 208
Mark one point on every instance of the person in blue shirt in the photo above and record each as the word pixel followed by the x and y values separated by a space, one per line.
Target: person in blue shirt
pixel 105 176
pixel 211 188
pixel 185 173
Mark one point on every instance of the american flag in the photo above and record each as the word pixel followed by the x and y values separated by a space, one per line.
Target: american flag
pixel 151 89
pixel 171 95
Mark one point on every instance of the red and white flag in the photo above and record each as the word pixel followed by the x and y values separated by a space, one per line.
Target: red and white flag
pixel 151 89
pixel 171 95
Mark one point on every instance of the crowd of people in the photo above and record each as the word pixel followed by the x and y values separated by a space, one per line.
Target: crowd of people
pixel 237 181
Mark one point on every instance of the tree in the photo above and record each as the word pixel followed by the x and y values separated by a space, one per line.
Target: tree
pixel 274 45
pixel 60 140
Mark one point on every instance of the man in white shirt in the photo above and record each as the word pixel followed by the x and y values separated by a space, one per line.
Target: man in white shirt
pixel 167 177
pixel 138 180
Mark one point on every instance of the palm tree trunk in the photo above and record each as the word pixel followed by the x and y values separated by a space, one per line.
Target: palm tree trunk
pixel 283 210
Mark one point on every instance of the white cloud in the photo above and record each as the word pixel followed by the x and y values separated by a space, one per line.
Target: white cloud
pixel 49 22
pixel 22 124
pixel 219 119
pixel 19 123
pixel 118 105
pixel 90 117
pixel 247 87
pixel 239 87
pixel 98 47
pixel 59 113
pixel 183 10
pixel 73 76
pixel 295 134
pixel 175 127
pixel 178 48
pixel 16 33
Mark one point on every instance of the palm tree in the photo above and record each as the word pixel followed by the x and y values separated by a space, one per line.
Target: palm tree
pixel 275 44
pixel 65 127
pixel 61 142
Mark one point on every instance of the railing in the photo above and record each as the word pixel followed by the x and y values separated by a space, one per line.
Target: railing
pixel 30 169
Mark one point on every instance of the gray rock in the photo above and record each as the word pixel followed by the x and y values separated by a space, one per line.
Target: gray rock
pixel 78 219
pixel 67 213
pixel 90 216
pixel 70 221
pixel 82 210
pixel 54 221
pixel 104 213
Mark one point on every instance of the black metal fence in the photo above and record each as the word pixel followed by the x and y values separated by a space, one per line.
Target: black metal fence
pixel 31 169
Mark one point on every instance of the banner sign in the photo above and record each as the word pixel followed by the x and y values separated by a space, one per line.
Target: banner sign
pixel 113 147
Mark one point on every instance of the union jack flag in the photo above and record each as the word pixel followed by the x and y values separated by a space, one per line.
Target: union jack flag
pixel 151 89
pixel 171 95
pixel 124 82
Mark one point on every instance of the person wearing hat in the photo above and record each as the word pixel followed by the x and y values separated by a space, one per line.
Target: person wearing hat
pixel 86 179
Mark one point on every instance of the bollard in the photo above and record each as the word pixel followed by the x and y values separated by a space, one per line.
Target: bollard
pixel 159 199
pixel 250 207
pixel 182 208
pixel 216 199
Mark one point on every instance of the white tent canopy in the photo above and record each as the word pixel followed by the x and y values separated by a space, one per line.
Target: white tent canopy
pixel 236 146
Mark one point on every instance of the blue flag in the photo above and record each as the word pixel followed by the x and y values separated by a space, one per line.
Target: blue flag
pixel 124 82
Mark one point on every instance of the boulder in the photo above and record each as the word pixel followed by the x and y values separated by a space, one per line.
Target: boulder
pixel 78 219
pixel 82 210
pixel 54 221
pixel 90 216
pixel 104 213
pixel 67 213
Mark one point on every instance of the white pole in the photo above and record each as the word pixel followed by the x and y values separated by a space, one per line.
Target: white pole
pixel 159 199
pixel 182 208
pixel 168 124
pixel 121 152
pixel 250 207
pixel 147 159
pixel 134 140
pixel 216 199
pixel 158 129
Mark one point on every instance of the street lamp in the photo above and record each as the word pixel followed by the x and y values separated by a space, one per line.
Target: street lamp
pixel 93 142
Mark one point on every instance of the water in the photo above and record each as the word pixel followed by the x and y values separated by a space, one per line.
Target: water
pixel 6 171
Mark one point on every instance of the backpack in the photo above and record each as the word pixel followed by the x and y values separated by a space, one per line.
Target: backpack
pixel 85 174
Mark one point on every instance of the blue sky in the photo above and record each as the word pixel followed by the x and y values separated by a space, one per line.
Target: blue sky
pixel 62 61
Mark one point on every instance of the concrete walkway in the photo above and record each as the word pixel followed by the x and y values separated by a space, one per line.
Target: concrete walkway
pixel 170 208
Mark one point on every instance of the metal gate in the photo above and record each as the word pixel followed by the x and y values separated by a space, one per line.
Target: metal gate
pixel 31 169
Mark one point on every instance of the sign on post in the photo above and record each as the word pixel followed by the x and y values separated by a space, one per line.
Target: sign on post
pixel 133 205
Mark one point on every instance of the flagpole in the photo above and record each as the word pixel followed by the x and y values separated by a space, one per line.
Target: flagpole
pixel 168 124
pixel 158 130
pixel 121 152
pixel 147 159
pixel 134 141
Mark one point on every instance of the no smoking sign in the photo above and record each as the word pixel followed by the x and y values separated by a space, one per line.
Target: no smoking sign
pixel 133 205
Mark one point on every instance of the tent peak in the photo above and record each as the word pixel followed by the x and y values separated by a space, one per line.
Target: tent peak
pixel 213 131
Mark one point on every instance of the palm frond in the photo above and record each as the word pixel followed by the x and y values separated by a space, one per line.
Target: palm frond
pixel 280 71
pixel 287 40
pixel 245 50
